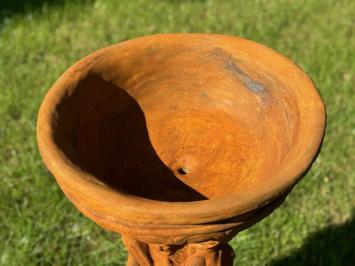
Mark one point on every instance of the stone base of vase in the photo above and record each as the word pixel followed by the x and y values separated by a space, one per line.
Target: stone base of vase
pixel 209 253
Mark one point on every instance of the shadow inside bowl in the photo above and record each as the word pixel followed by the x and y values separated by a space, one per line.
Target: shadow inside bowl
pixel 102 130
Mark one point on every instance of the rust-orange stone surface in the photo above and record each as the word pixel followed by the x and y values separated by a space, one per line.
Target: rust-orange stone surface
pixel 179 141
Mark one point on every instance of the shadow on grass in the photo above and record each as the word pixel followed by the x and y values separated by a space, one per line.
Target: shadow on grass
pixel 332 246
pixel 9 8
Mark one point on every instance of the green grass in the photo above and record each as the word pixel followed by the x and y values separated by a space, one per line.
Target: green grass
pixel 38 225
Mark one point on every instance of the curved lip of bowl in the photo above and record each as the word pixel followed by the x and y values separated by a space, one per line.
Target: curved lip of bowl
pixel 117 206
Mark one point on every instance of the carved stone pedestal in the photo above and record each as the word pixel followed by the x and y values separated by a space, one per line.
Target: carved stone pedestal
pixel 210 253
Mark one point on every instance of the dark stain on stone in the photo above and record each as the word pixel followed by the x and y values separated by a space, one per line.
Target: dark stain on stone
pixel 231 66
pixel 152 50
pixel 204 94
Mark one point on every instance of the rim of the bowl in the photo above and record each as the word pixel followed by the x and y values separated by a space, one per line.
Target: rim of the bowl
pixel 119 205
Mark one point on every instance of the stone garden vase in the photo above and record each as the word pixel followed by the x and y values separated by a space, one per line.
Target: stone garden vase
pixel 179 141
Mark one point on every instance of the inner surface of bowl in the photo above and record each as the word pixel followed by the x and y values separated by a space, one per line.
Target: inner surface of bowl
pixel 180 122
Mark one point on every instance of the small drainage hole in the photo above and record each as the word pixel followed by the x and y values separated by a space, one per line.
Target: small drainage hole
pixel 183 171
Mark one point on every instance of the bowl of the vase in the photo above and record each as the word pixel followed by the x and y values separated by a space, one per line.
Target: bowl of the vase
pixel 179 129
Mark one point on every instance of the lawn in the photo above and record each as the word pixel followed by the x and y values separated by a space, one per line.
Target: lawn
pixel 40 40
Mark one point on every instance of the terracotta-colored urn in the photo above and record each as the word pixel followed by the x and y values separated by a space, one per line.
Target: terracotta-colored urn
pixel 179 141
